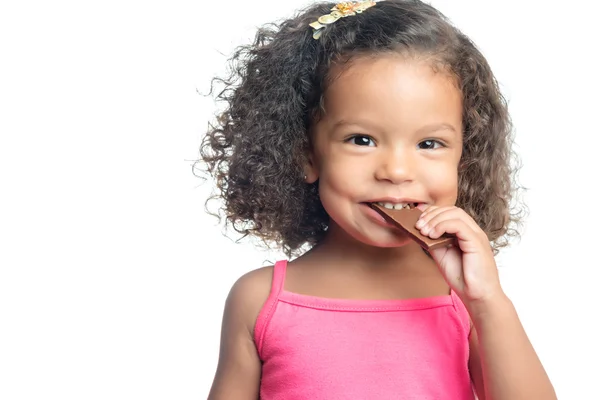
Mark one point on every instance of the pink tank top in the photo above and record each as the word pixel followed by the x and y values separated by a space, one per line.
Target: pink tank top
pixel 316 348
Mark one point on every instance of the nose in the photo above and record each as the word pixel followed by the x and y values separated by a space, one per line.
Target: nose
pixel 395 166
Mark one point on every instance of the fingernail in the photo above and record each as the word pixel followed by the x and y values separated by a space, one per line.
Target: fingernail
pixel 422 206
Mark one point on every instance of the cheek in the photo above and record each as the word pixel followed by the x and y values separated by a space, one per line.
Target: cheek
pixel 443 183
pixel 337 179
pixel 342 174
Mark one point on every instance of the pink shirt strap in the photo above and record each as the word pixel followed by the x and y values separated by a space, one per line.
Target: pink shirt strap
pixel 267 310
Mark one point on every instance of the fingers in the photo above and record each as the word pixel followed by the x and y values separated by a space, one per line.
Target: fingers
pixel 437 227
pixel 452 220
pixel 433 214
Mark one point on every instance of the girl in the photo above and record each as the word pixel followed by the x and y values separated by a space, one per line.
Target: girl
pixel 344 106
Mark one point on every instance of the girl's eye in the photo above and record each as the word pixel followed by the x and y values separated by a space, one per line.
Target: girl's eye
pixel 430 144
pixel 361 140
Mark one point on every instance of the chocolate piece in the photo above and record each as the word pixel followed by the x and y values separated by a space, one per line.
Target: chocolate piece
pixel 406 220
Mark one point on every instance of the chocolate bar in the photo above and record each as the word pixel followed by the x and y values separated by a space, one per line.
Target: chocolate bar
pixel 406 220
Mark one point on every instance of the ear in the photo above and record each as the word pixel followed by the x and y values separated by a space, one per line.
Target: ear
pixel 311 172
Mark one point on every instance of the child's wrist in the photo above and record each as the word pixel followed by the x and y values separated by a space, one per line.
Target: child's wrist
pixel 495 305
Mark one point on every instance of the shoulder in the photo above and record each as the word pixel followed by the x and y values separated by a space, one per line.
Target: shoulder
pixel 253 285
pixel 248 295
pixel 239 369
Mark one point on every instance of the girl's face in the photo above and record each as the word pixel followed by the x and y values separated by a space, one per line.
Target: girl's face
pixel 392 133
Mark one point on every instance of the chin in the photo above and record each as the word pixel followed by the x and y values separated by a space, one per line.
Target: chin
pixel 385 241
pixel 391 244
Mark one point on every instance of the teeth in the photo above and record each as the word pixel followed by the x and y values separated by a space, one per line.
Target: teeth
pixel 394 206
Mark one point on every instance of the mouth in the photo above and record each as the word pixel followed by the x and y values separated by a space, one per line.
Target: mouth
pixel 394 206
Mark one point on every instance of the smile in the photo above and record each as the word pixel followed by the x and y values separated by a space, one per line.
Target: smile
pixel 396 206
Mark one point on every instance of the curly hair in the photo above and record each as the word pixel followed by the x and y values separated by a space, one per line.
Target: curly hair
pixel 274 93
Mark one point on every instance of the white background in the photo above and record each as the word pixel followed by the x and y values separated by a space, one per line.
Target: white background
pixel 113 278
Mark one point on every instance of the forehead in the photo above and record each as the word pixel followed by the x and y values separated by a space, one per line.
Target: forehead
pixel 395 90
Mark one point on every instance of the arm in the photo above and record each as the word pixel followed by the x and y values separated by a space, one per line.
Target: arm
pixel 239 367
pixel 503 363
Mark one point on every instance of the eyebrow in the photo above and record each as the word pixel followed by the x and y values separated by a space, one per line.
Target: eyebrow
pixel 436 127
pixel 343 122
pixel 425 129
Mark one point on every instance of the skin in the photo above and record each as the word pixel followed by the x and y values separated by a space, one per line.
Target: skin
pixel 385 137
pixel 392 132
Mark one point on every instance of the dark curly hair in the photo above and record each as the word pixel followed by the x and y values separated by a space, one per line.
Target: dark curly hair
pixel 274 93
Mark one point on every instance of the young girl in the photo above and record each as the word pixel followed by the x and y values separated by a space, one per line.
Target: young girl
pixel 329 112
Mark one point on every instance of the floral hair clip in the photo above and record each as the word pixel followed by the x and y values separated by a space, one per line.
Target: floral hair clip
pixel 340 10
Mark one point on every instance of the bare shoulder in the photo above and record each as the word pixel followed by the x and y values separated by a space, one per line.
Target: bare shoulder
pixel 239 367
pixel 249 293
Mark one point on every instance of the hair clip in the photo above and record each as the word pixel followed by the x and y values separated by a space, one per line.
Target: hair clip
pixel 340 10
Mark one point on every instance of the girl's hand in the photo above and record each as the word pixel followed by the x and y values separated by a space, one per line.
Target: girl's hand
pixel 469 268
